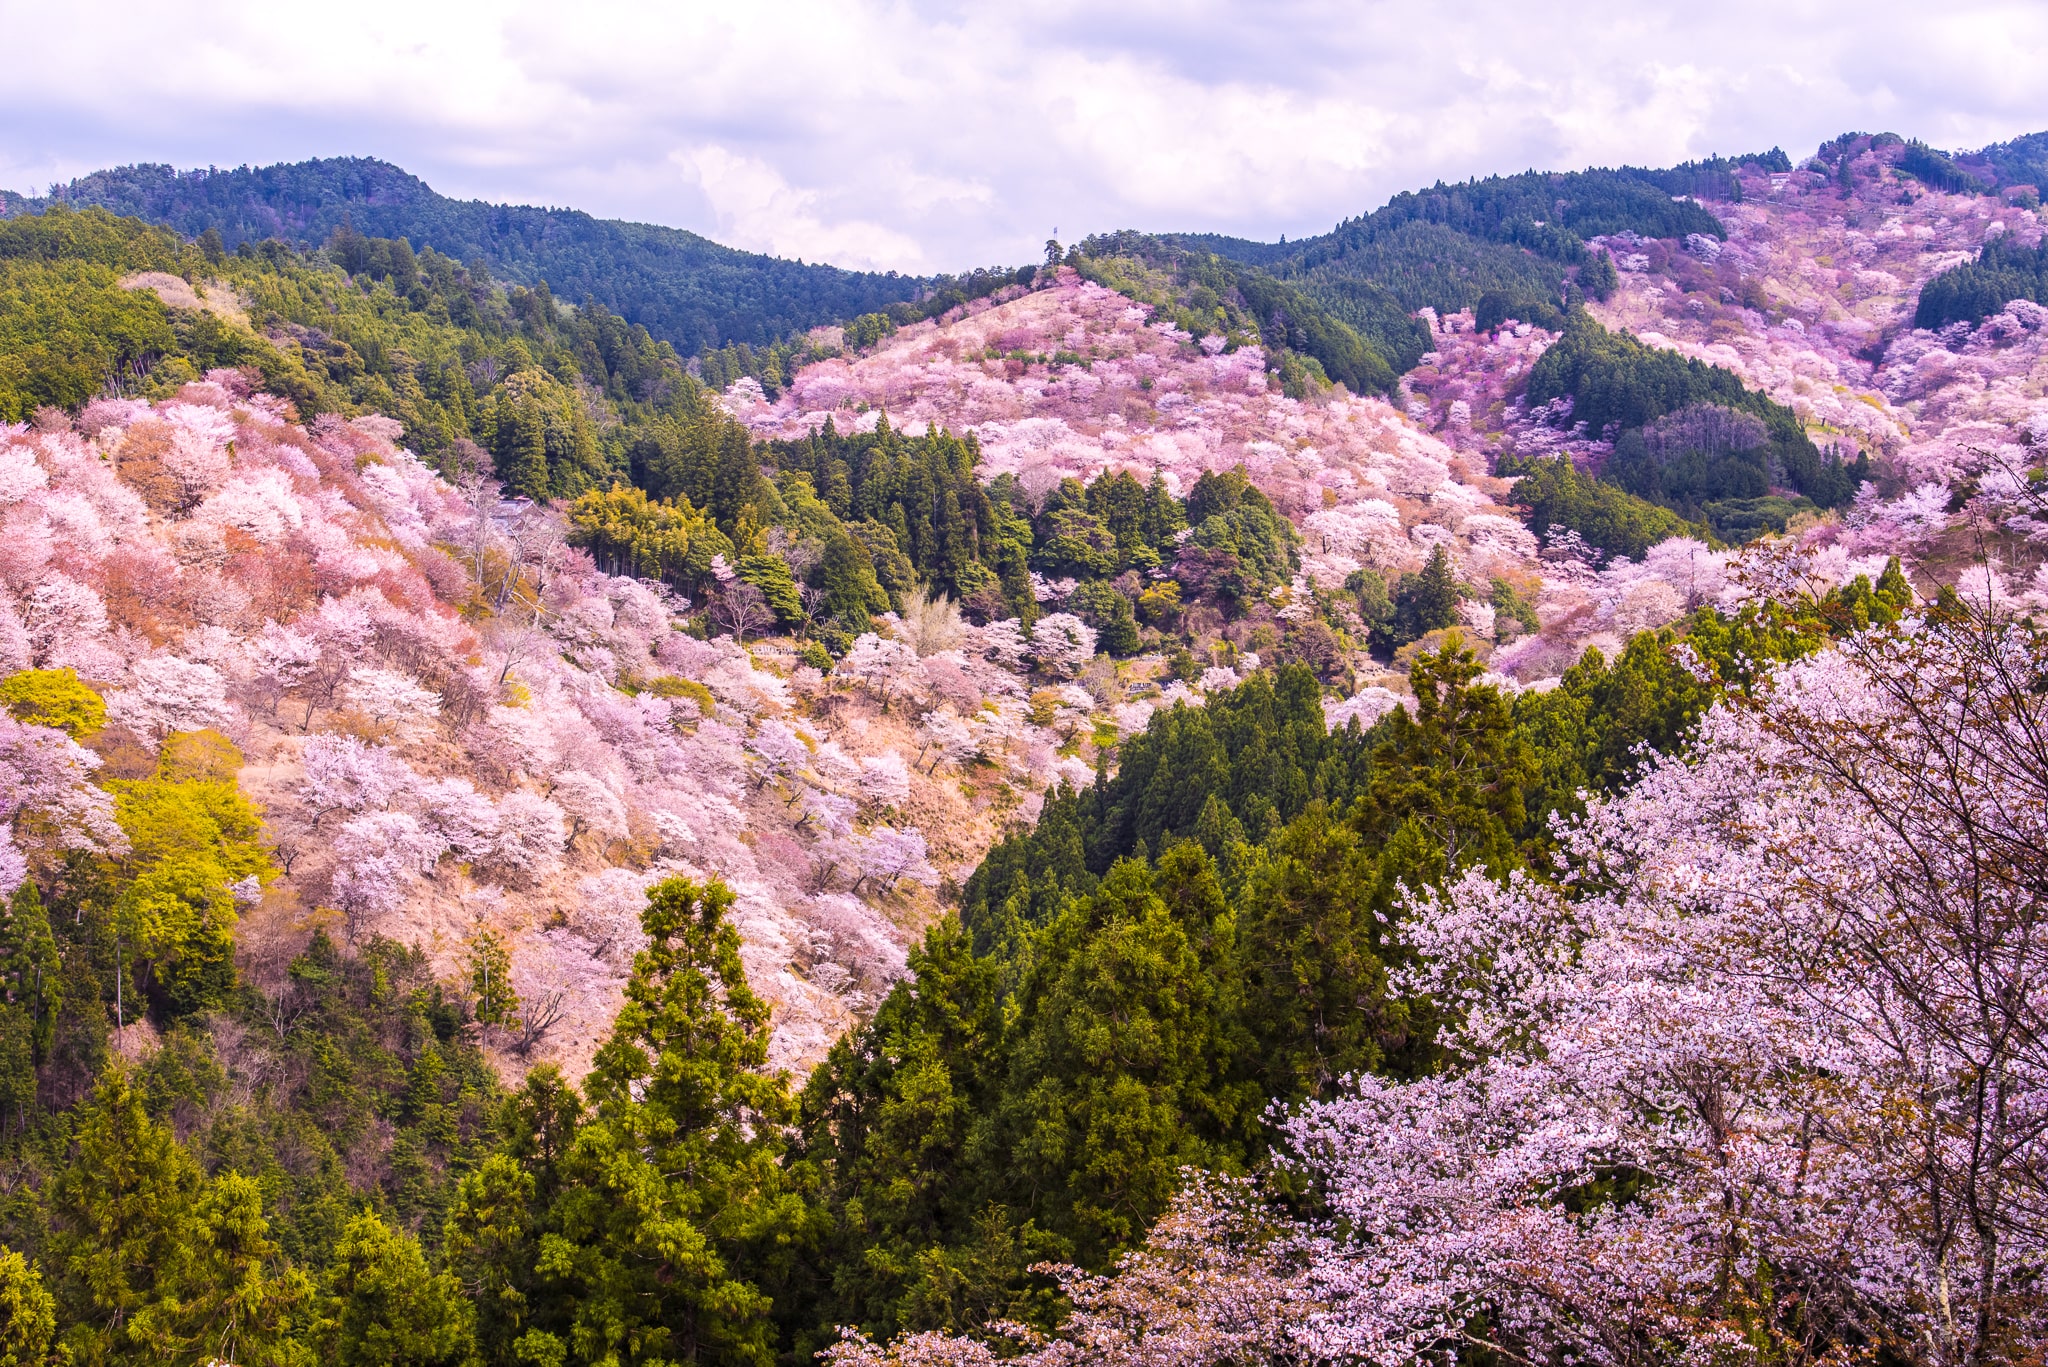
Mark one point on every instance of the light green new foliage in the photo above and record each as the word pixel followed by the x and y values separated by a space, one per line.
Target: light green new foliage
pixel 55 698
pixel 28 1313
pixel 385 1309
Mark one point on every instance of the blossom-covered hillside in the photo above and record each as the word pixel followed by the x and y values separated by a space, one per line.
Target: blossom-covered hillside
pixel 1811 300
pixel 1072 379
pixel 461 734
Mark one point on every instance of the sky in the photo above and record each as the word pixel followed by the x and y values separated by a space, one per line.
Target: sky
pixel 927 137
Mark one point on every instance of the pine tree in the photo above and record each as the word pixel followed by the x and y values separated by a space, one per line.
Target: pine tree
pixel 386 1308
pixel 31 993
pixel 672 1194
pixel 123 1226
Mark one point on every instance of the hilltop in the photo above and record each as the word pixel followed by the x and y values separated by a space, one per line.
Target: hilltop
pixel 683 288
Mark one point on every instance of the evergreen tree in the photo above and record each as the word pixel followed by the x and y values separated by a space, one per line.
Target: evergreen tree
pixel 1120 1073
pixel 917 1238
pixel 237 1300
pixel 28 1313
pixel 671 1196
pixel 490 978
pixel 122 1227
pixel 386 1308
pixel 31 993
pixel 522 450
pixel 1315 996
pixel 1427 601
pixel 1446 784
pixel 1597 276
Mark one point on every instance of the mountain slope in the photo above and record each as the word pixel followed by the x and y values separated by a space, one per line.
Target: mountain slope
pixel 685 289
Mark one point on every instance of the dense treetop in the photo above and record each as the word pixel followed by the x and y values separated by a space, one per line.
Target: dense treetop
pixel 684 289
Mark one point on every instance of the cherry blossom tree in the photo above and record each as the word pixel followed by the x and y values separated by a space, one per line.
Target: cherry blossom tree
pixel 393 703
pixel 590 804
pixel 47 795
pixel 62 615
pixel 885 668
pixel 530 837
pixel 376 858
pixel 1062 643
pixel 779 754
pixel 171 694
pixel 740 608
pixel 884 781
pixel 888 856
pixel 462 817
pixel 280 658
pixel 344 774
pixel 945 739
pixel 1004 642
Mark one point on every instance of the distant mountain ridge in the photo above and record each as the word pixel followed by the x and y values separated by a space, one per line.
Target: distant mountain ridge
pixel 685 289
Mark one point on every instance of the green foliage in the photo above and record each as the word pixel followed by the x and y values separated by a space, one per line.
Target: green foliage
pixel 2022 161
pixel 1423 264
pixel 1510 606
pixel 1609 519
pixel 191 840
pixel 1424 602
pixel 386 1306
pixel 628 533
pixel 1935 169
pixel 540 437
pixel 1598 277
pixel 690 292
pixel 158 1262
pixel 669 1198
pixel 28 1313
pixel 1618 384
pixel 2004 270
pixel 1496 307
pixel 1449 246
pixel 490 980
pixel 1248 546
pixel 863 332
pixel 66 329
pixel 1203 293
pixel 922 490
pixel 31 994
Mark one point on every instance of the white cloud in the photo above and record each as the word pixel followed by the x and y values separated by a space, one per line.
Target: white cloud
pixel 758 210
pixel 940 136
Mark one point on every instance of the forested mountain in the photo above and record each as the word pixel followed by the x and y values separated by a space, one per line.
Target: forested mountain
pixel 1444 247
pixel 1117 808
pixel 684 289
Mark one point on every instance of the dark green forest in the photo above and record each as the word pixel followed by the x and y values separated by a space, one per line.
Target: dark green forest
pixel 1971 292
pixel 1446 246
pixel 684 289
pixel 1688 437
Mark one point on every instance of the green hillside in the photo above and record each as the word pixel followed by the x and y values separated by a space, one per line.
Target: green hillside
pixel 684 289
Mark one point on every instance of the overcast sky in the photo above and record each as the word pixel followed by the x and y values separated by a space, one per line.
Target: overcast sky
pixel 925 137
